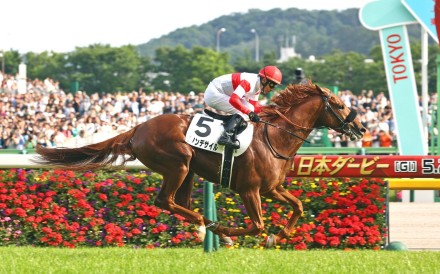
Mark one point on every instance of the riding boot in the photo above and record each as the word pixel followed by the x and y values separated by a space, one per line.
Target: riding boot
pixel 229 136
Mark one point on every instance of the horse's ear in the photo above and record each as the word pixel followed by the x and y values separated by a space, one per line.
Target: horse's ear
pixel 318 88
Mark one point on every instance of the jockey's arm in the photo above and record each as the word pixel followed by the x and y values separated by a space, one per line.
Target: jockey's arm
pixel 239 92
pixel 257 106
pixel 235 101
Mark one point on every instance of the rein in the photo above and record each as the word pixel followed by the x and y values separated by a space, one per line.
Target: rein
pixel 272 149
pixel 285 130
pixel 290 122
pixel 328 108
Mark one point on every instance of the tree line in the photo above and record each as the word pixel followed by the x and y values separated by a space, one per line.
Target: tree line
pixel 315 32
pixel 102 68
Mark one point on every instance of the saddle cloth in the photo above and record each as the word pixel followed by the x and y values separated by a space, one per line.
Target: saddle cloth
pixel 204 132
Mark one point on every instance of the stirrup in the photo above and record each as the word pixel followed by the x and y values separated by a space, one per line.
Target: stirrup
pixel 226 140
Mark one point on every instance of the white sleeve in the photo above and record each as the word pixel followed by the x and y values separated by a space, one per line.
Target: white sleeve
pixel 255 97
pixel 239 91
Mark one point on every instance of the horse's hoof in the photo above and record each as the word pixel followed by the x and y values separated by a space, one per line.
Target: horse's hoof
pixel 201 232
pixel 271 241
pixel 227 241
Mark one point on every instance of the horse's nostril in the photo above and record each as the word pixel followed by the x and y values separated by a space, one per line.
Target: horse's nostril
pixel 363 130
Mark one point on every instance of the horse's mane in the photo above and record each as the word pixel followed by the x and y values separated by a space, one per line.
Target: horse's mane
pixel 293 95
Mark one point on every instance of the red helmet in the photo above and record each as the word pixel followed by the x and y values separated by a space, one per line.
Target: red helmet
pixel 272 73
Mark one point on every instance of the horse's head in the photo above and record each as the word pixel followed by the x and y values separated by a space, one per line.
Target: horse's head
pixel 313 107
pixel 337 116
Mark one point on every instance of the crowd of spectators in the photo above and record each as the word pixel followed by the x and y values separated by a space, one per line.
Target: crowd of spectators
pixel 45 114
pixel 376 114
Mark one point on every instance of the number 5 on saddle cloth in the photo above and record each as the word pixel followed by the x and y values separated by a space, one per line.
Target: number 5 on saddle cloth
pixel 204 132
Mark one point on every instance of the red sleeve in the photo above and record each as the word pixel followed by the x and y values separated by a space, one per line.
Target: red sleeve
pixel 235 101
pixel 257 107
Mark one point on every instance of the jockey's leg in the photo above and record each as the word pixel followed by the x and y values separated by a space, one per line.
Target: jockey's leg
pixel 232 126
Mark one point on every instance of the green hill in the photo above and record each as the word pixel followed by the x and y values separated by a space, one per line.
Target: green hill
pixel 316 32
pixel 310 32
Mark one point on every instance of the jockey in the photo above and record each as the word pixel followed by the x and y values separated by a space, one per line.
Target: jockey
pixel 237 94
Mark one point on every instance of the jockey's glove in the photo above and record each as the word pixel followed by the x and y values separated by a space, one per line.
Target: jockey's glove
pixel 254 117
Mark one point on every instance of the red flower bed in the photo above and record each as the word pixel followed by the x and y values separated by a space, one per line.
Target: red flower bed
pixel 115 208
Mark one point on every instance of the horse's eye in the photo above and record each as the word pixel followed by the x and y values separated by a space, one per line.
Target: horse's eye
pixel 341 107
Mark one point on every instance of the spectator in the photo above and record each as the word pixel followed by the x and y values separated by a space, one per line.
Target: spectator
pixel 5 140
pixel 337 140
pixel 31 142
pixel 367 140
pixel 44 141
pixel 58 138
pixel 385 139
pixel 191 98
pixel 376 141
pixel 199 106
pixel 18 140
pixel 383 124
pixel 80 139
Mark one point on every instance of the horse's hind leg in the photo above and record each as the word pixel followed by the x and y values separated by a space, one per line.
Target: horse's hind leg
pixel 282 195
pixel 183 198
pixel 252 202
pixel 166 197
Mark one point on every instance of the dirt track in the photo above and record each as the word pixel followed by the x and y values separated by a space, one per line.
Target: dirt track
pixel 417 225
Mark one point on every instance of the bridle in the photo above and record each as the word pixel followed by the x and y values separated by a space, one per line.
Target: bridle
pixel 344 125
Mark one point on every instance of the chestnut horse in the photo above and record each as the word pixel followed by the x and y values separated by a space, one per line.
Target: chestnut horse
pixel 159 144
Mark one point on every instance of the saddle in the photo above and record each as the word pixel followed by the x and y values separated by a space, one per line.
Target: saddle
pixel 205 130
pixel 226 119
pixel 216 115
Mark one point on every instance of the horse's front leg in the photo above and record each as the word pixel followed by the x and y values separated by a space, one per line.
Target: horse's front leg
pixel 252 202
pixel 282 195
pixel 184 192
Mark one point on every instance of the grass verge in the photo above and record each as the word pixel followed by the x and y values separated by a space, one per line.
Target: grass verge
pixel 124 260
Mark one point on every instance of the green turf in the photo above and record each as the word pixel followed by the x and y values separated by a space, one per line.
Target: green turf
pixel 124 260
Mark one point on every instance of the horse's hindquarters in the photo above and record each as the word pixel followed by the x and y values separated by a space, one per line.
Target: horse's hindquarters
pixel 159 143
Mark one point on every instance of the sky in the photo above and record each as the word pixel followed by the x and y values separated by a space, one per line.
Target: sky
pixel 62 25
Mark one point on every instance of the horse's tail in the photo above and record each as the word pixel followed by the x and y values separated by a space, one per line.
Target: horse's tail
pixel 94 156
